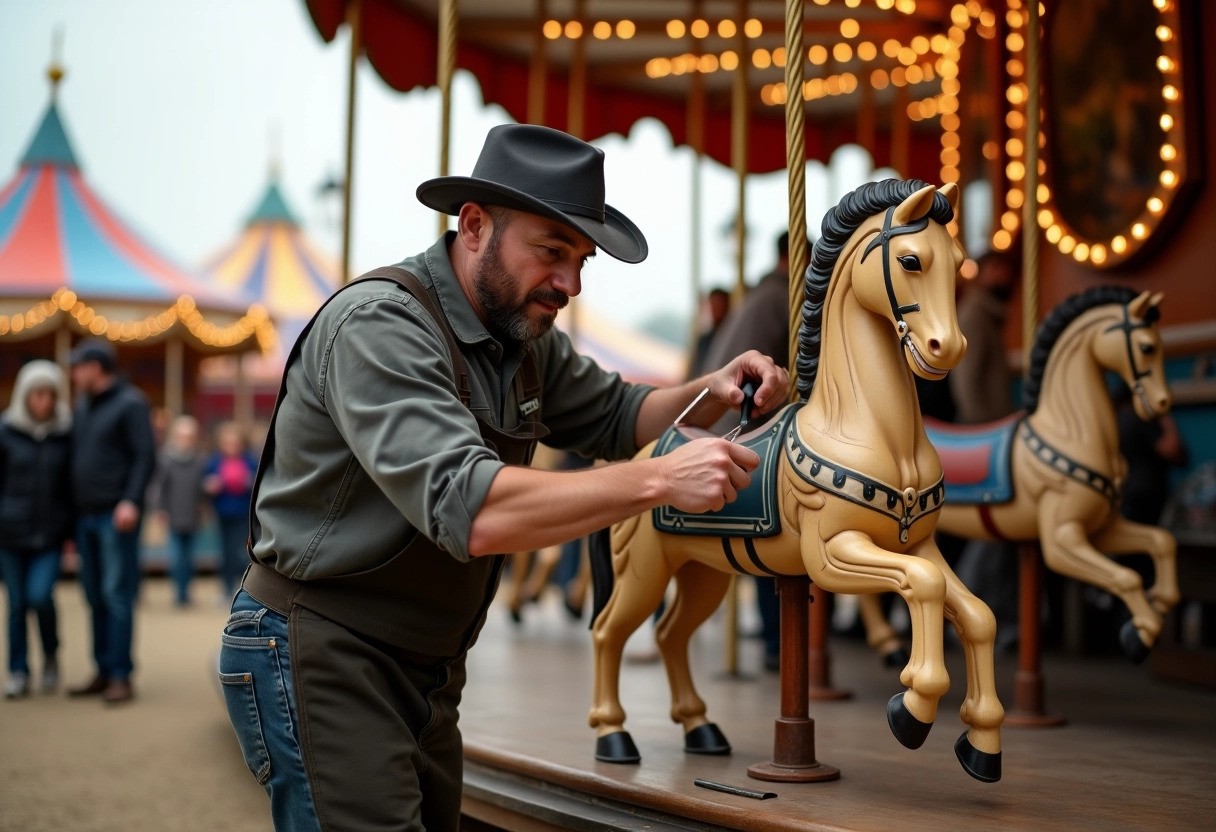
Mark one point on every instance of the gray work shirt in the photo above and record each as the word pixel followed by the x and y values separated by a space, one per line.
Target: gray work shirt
pixel 371 440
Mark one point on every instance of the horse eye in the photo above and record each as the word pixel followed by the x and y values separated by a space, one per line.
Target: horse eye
pixel 910 262
pixel 1148 349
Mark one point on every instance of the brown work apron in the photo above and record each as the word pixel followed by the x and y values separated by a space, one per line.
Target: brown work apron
pixel 378 658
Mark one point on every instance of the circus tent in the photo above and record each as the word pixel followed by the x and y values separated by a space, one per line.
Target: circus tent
pixel 71 267
pixel 274 262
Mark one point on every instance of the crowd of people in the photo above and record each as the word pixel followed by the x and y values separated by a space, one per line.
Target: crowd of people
pixel 86 478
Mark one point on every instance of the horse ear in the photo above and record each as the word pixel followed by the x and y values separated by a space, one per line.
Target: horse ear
pixel 1140 304
pixel 1156 299
pixel 950 192
pixel 914 207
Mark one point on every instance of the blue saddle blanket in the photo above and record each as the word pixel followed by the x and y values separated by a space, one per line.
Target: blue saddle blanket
pixel 755 512
pixel 976 459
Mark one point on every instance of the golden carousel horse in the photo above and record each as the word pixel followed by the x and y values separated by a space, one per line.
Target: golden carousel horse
pixel 848 491
pixel 1065 473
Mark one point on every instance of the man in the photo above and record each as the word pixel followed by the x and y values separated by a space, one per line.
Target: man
pixel 113 456
pixel 716 306
pixel 762 323
pixel 395 463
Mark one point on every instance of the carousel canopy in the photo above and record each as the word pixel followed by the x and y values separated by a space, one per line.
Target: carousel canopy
pixel 274 262
pixel 866 64
pixel 65 251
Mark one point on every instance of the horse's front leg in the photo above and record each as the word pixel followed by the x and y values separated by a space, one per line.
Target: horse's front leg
pixel 1067 550
pixel 979 749
pixel 1124 537
pixel 851 562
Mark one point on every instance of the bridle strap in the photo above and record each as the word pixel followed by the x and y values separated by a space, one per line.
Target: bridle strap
pixel 884 239
pixel 1128 327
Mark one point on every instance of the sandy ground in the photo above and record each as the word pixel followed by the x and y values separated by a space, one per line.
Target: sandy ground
pixel 166 761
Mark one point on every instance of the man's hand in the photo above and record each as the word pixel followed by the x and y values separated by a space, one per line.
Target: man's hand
pixel 126 516
pixel 725 384
pixel 706 474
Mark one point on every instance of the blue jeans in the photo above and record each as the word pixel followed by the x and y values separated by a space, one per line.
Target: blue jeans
pixel 234 556
pixel 30 578
pixel 109 575
pixel 181 564
pixel 255 673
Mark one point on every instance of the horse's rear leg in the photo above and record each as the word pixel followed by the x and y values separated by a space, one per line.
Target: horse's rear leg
pixel 699 590
pixel 1067 550
pixel 1123 537
pixel 640 577
pixel 979 749
pixel 851 562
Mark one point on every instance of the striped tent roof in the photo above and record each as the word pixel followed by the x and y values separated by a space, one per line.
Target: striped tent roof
pixel 57 233
pixel 273 261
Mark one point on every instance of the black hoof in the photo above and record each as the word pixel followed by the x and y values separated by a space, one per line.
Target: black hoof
pixel 896 659
pixel 706 739
pixel 979 764
pixel 1133 645
pixel 616 747
pixel 909 730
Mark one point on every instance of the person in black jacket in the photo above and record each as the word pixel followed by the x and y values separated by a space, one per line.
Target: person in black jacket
pixel 35 515
pixel 113 456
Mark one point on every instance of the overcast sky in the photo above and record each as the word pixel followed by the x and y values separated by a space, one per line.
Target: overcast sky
pixel 170 107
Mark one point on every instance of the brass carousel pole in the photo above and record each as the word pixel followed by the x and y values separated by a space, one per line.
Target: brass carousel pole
pixel 538 67
pixel 794 736
pixel 1029 708
pixel 738 154
pixel 448 22
pixel 353 21
pixel 696 140
pixel 576 103
pixel 900 131
pixel 174 376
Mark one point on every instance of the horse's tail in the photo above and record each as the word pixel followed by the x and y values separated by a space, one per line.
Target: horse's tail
pixel 599 551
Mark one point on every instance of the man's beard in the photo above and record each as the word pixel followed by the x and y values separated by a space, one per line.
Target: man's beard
pixel 506 316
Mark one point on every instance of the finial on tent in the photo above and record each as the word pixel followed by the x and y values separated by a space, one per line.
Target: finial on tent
pixel 56 71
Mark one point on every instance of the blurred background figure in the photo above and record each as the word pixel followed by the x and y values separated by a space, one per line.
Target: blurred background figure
pixel 714 309
pixel 178 492
pixel 1151 449
pixel 113 457
pixel 761 322
pixel 982 389
pixel 35 515
pixel 228 478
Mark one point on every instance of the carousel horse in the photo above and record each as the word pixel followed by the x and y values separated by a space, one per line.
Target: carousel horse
pixel 848 490
pixel 1054 473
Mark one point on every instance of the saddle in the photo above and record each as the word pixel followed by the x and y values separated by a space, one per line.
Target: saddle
pixel 755 512
pixel 976 459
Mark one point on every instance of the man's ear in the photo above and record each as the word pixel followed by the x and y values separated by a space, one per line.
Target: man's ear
pixel 473 226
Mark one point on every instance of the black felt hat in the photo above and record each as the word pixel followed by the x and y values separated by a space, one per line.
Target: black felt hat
pixel 95 349
pixel 545 172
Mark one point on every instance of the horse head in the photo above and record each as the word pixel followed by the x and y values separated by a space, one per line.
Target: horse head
pixel 906 273
pixel 1131 347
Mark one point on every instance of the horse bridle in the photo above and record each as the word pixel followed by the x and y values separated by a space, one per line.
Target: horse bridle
pixel 884 239
pixel 1128 327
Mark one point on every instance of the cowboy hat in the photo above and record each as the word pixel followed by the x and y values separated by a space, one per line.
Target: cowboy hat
pixel 545 172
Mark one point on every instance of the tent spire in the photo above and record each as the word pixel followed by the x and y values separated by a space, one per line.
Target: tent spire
pixel 50 145
pixel 56 71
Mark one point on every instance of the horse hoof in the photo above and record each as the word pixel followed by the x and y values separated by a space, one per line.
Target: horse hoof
pixel 896 659
pixel 705 739
pixel 1133 645
pixel 979 764
pixel 616 747
pixel 909 730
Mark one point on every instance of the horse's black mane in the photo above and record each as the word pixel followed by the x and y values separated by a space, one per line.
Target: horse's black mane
pixel 1058 320
pixel 838 226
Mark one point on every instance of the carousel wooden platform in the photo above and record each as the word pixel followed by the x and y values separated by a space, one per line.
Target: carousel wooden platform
pixel 1136 754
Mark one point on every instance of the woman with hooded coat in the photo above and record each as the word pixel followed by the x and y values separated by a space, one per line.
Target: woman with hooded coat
pixel 36 515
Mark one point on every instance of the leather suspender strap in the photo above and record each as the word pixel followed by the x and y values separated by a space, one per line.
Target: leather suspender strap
pixel 410 282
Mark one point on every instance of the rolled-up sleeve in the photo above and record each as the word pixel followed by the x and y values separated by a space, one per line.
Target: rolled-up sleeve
pixel 587 409
pixel 386 381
